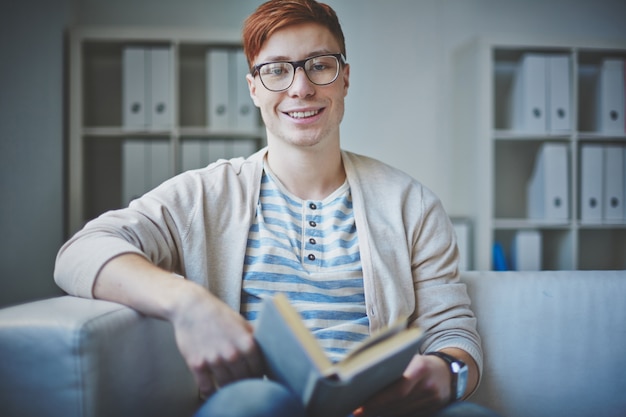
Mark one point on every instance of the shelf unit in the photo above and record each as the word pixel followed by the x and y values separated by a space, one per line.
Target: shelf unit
pixel 494 162
pixel 96 131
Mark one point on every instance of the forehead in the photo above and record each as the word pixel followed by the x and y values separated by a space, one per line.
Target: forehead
pixel 298 42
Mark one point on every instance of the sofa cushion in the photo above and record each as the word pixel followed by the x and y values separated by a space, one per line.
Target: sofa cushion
pixel 554 342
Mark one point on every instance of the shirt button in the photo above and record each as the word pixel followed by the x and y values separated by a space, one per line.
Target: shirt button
pixel 312 223
pixel 311 257
pixel 313 206
pixel 312 241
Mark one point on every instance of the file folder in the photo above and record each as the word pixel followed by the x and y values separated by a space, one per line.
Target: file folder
pixel 218 149
pixel 624 181
pixel 526 250
pixel 158 163
pixel 218 90
pixel 559 97
pixel 145 165
pixel 242 147
pixel 462 228
pixel 529 94
pixel 191 151
pixel 134 169
pixel 134 115
pixel 613 205
pixel 246 113
pixel 160 92
pixel 591 178
pixel 611 102
pixel 548 187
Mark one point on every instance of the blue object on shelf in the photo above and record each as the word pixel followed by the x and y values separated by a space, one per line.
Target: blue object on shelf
pixel 499 259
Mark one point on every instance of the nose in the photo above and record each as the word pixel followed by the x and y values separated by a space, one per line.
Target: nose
pixel 301 85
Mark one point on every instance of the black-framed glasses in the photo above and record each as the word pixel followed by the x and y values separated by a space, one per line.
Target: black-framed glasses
pixel 279 75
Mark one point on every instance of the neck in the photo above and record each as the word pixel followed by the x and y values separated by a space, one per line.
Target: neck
pixel 309 173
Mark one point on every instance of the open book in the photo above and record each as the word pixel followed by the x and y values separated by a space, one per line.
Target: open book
pixel 294 358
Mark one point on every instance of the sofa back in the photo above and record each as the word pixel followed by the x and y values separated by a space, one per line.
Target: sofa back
pixel 554 345
pixel 554 342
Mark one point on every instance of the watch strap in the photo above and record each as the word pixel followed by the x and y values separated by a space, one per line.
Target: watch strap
pixel 449 359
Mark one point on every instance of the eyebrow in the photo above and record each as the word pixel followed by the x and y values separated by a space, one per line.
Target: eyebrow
pixel 287 59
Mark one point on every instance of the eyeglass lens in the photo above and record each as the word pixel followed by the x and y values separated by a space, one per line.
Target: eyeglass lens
pixel 320 70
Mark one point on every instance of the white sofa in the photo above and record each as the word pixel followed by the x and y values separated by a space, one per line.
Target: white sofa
pixel 554 344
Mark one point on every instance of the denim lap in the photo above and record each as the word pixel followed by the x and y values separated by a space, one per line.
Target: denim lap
pixel 265 398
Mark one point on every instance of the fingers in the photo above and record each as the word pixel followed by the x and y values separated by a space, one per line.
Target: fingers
pixel 210 377
pixel 206 384
pixel 416 391
pixel 226 364
pixel 216 342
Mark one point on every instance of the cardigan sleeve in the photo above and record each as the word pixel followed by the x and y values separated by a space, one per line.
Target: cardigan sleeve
pixel 151 227
pixel 443 305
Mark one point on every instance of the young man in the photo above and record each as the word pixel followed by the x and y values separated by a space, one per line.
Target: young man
pixel 354 243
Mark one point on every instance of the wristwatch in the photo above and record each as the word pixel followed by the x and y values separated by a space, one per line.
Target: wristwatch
pixel 458 373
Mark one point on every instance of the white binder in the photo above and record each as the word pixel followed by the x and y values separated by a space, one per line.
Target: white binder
pixel 159 167
pixel 246 113
pixel 559 86
pixel 529 95
pixel 191 151
pixel 611 102
pixel 145 165
pixel 134 115
pixel 548 187
pixel 218 149
pixel 161 108
pixel 526 250
pixel 242 147
pixel 591 173
pixel 218 82
pixel 462 228
pixel 624 181
pixel 134 169
pixel 613 205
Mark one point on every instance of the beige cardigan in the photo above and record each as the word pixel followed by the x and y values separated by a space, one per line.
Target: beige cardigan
pixel 196 225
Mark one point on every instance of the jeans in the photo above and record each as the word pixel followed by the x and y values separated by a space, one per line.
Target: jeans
pixel 264 398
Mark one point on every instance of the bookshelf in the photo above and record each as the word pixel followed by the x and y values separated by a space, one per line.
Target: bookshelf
pixel 103 149
pixel 494 158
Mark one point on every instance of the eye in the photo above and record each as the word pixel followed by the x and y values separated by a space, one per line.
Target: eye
pixel 321 64
pixel 275 69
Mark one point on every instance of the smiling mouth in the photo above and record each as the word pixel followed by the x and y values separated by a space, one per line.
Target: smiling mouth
pixel 303 114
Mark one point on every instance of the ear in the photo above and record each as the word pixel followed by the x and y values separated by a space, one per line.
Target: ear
pixel 346 79
pixel 252 88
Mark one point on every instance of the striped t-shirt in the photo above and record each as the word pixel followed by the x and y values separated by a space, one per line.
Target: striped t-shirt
pixel 309 251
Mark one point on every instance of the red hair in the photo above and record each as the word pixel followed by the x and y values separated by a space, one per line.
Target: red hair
pixel 278 14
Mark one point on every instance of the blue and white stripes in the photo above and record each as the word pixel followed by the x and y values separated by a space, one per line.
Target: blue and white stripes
pixel 309 251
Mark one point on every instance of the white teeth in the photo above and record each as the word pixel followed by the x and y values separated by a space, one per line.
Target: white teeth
pixel 303 114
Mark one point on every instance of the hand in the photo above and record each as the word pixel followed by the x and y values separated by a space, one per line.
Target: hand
pixel 424 387
pixel 215 341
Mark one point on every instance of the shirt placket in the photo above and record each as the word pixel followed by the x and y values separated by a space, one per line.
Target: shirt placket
pixel 312 234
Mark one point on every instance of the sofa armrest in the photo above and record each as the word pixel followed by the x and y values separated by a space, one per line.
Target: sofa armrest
pixel 74 357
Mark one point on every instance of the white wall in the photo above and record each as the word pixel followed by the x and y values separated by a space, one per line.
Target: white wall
pixel 399 105
pixel 398 109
